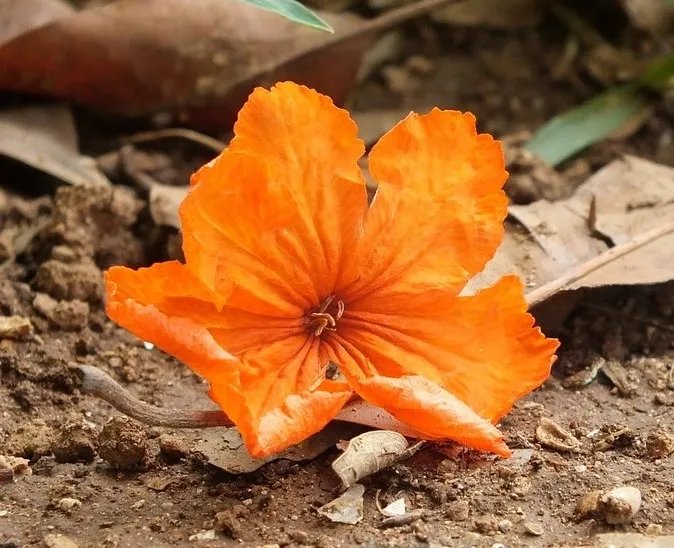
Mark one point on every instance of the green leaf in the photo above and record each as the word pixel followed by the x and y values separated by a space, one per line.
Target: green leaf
pixel 600 117
pixel 293 10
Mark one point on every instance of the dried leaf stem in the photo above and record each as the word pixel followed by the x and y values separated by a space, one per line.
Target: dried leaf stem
pixel 96 382
pixel 576 274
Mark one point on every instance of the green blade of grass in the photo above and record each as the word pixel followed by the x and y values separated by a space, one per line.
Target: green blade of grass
pixel 600 117
pixel 292 10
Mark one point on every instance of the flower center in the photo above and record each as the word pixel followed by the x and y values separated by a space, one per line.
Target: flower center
pixel 325 316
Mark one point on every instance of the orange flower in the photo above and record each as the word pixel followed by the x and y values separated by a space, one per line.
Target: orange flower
pixel 295 294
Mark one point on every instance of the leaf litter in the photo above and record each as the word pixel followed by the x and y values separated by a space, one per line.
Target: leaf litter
pixel 199 60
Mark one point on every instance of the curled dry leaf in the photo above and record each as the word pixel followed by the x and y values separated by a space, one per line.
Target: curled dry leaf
pixel 347 508
pixel 198 59
pixel 553 436
pixel 225 449
pixel 371 452
pixel 44 137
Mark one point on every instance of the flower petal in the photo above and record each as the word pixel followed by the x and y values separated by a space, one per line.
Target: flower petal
pixel 418 402
pixel 483 349
pixel 438 215
pixel 274 214
pixel 277 396
pixel 167 306
pixel 273 399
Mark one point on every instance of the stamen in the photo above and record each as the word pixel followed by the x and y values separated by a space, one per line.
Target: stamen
pixel 321 319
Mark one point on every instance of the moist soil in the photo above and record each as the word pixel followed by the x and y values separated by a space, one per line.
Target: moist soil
pixel 135 485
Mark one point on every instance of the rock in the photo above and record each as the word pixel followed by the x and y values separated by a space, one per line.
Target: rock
pixel 203 535
pixel 68 504
pixel 15 327
pixel 486 525
pixel 67 315
pixel 659 443
pixel 16 465
pixel 533 528
pixel 65 281
pixel 228 524
pixel 653 529
pixel 458 510
pixel 75 443
pixel 173 447
pixel 59 541
pixel 505 525
pixel 124 444
pixel 620 505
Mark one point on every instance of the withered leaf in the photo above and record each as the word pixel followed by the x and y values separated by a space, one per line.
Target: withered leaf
pixel 347 508
pixel 44 137
pixel 553 436
pixel 371 452
pixel 555 248
pixel 224 448
pixel 199 60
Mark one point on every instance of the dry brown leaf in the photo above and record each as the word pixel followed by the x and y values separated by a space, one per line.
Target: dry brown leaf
pixel 371 452
pixel 19 16
pixel 617 229
pixel 347 508
pixel 44 137
pixel 198 58
pixel 553 436
pixel 225 449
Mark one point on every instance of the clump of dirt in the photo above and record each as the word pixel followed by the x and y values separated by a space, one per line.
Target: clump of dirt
pixel 76 442
pixel 124 444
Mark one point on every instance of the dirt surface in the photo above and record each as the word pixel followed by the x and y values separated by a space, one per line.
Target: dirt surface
pixel 96 483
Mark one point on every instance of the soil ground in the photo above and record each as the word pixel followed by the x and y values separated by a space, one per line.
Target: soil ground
pixel 469 499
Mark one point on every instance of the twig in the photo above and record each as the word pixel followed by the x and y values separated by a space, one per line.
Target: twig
pixel 204 140
pixel 549 289
pixel 97 383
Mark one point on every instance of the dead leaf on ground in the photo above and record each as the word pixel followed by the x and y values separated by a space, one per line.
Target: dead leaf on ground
pixel 616 229
pixel 224 448
pixel 20 16
pixel 347 508
pixel 371 452
pixel 198 59
pixel 44 137
pixel 553 436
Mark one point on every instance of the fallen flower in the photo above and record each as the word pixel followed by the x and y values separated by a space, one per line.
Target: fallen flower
pixel 295 293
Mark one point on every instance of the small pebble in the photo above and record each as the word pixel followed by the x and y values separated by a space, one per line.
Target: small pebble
pixel 15 327
pixel 533 528
pixel 59 541
pixel 458 510
pixel 173 447
pixel 68 503
pixel 75 443
pixel 228 524
pixel 659 443
pixel 653 529
pixel 486 525
pixel 203 535
pixel 620 505
pixel 505 525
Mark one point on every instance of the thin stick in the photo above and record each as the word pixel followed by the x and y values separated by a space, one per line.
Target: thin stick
pixel 97 383
pixel 549 289
pixel 204 140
